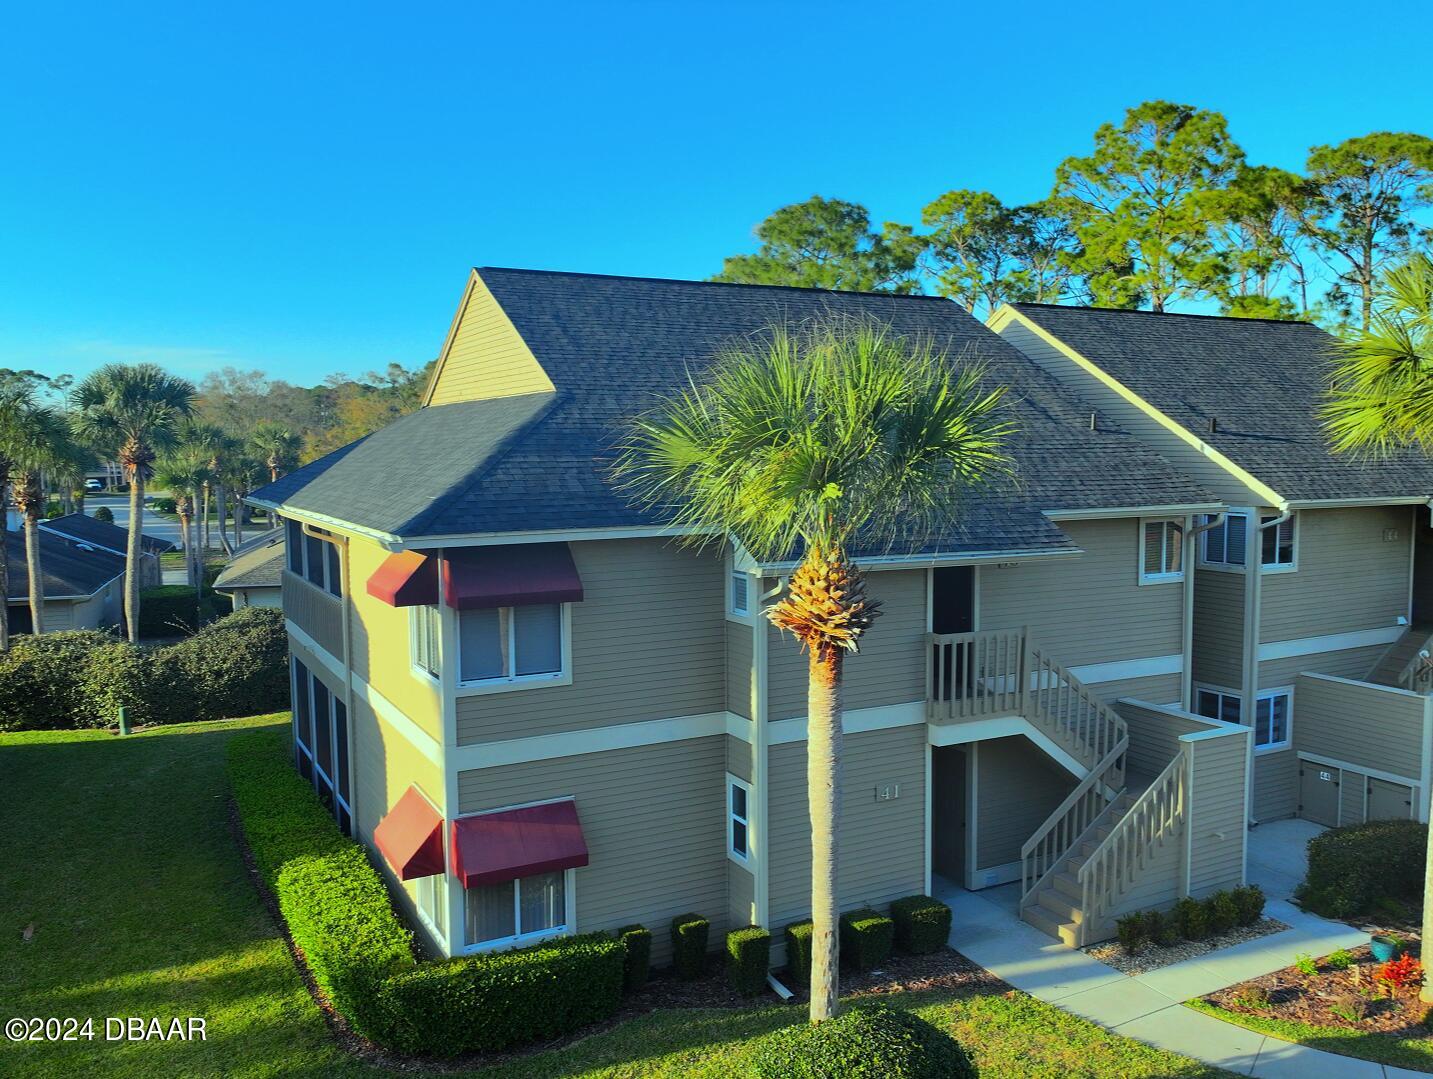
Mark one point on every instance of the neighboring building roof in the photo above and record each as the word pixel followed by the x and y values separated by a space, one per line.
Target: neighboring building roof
pixel 87 529
pixel 1262 382
pixel 257 563
pixel 612 346
pixel 69 570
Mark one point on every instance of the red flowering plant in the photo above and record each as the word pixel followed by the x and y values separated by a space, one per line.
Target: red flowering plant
pixel 1400 973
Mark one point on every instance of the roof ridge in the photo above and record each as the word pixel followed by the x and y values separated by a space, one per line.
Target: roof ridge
pixel 1162 314
pixel 720 284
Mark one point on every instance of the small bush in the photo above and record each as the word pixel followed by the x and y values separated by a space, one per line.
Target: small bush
pixel 637 940
pixel 1304 963
pixel 237 666
pixel 689 944
pixel 866 937
pixel 1162 928
pixel 1221 912
pixel 1254 998
pixel 1352 869
pixel 1400 973
pixel 1133 932
pixel 1339 959
pixel 490 1002
pixel 105 514
pixel 748 958
pixel 1190 919
pixel 799 938
pixel 42 683
pixel 868 1042
pixel 922 924
pixel 1250 902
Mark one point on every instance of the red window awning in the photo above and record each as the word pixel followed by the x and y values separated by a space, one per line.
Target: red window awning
pixel 510 576
pixel 410 837
pixel 511 843
pixel 406 579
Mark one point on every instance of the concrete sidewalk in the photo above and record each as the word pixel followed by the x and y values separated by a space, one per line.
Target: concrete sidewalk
pixel 986 928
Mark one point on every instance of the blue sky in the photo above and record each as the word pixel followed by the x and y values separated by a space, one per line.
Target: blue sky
pixel 301 188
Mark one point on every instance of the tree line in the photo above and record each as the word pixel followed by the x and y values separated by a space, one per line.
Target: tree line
pixel 1165 210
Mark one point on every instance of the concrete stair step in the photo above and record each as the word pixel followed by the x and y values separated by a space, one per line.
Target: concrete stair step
pixel 1044 921
pixel 1061 906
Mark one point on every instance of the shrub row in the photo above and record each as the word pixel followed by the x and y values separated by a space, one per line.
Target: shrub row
pixel 917 925
pixel 1191 919
pixel 236 666
pixel 1360 868
pixel 338 913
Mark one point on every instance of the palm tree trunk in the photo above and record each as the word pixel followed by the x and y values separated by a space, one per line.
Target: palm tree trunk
pixel 204 526
pixel 823 792
pixel 239 517
pixel 37 580
pixel 131 554
pixel 221 501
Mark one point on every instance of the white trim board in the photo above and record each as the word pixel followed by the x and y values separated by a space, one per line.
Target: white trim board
pixel 543 747
pixel 335 667
pixel 1118 671
pixel 391 714
pixel 1333 642
pixel 856 721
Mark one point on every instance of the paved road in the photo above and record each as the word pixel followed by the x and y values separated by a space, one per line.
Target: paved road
pixel 152 525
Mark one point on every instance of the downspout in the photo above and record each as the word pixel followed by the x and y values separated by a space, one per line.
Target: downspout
pixel 1191 537
pixel 1253 611
pixel 347 599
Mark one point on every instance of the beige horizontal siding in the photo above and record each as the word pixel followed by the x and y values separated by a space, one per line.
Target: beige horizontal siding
pixel 648 642
pixel 741 897
pixel 890 668
pixel 314 611
pixel 1090 608
pixel 1347 663
pixel 487 356
pixel 1217 812
pixel 655 824
pixel 1276 783
pixel 1158 882
pixel 1153 737
pixel 882 851
pixel 740 684
pixel 1017 786
pixel 1350 796
pixel 1349 577
pixel 1372 726
pixel 1218 628
pixel 1156 689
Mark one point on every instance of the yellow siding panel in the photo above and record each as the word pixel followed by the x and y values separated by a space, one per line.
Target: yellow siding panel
pixel 486 357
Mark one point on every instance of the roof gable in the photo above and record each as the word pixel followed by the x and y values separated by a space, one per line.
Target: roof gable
pixel 483 356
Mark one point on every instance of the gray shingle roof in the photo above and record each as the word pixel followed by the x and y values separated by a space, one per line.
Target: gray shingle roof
pixel 67 569
pixel 1261 380
pixel 614 345
pixel 257 563
pixel 86 529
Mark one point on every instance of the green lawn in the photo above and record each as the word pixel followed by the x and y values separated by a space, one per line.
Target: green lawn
pixel 1413 1054
pixel 117 852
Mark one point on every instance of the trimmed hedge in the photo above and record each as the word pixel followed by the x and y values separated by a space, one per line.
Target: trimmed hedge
pixel 1191 919
pixel 866 937
pixel 748 958
pixel 173 610
pixel 360 952
pixel 637 940
pixel 1355 869
pixel 922 924
pixel 237 666
pixel 689 945
pixel 864 1042
pixel 799 938
pixel 495 1001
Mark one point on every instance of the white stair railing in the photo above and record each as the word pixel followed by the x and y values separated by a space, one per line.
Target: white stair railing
pixel 1064 829
pixel 1062 705
pixel 975 675
pixel 1117 861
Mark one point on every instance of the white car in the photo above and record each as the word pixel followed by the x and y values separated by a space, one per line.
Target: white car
pixel 94 485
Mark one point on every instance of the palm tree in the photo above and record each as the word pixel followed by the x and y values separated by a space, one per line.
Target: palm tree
pixel 17 439
pixel 1381 400
pixel 212 441
pixel 137 409
pixel 43 444
pixel 185 475
pixel 805 445
pixel 278 447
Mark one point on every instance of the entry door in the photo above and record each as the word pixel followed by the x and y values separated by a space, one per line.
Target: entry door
pixel 948 813
pixel 1389 801
pixel 1318 793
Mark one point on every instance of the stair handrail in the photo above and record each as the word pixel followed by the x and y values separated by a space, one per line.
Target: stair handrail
pixel 1417 673
pixel 1113 863
pixel 976 674
pixel 1070 820
pixel 1106 727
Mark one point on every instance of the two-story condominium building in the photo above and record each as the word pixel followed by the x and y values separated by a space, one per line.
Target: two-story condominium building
pixel 544 715
pixel 1313 594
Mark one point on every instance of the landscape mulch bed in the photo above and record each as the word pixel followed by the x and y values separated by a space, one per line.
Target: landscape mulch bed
pixel 1310 999
pixel 1153 956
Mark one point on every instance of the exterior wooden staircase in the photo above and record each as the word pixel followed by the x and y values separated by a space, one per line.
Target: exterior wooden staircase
pixel 1404 665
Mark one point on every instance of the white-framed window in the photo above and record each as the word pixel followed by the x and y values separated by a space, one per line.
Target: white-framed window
pixel 1217 703
pixel 1161 550
pixel 738 813
pixel 499 646
pixel 738 593
pixel 517 911
pixel 315 560
pixel 432 897
pixel 1273 718
pixel 321 743
pixel 1278 544
pixel 424 626
pixel 1224 544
